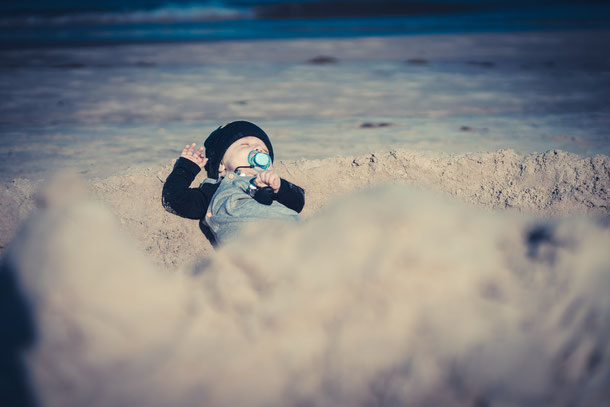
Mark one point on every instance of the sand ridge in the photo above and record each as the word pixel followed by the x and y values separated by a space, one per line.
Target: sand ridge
pixel 545 184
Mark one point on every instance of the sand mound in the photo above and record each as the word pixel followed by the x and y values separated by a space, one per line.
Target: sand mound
pixel 387 297
pixel 550 183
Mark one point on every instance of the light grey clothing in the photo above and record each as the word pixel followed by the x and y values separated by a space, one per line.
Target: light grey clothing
pixel 232 207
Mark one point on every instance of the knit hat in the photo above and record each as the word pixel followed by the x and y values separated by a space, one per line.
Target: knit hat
pixel 221 139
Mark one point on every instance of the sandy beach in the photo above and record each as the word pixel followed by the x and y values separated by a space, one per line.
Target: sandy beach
pixel 100 110
pixel 553 183
pixel 453 248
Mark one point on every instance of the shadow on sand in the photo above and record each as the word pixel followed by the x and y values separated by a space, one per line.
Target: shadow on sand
pixel 17 334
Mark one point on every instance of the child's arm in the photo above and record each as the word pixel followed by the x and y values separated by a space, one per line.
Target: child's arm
pixel 291 196
pixel 286 193
pixel 177 197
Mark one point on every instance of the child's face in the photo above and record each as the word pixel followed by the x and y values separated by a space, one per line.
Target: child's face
pixel 237 155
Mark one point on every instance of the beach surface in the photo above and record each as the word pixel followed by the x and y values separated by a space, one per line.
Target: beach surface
pixel 553 183
pixel 100 110
pixel 453 248
pixel 118 115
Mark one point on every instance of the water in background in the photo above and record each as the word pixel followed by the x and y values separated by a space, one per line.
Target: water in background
pixel 70 22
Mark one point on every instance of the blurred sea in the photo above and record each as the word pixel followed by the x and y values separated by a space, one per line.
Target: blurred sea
pixel 72 22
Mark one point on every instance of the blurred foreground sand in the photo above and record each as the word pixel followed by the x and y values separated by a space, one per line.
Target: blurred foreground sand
pixel 388 296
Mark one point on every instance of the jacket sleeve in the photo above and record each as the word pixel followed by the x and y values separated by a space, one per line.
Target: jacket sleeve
pixel 291 196
pixel 178 198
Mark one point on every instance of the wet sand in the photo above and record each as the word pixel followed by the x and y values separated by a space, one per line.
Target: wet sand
pixel 100 110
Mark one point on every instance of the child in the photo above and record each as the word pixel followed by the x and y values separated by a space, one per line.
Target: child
pixel 238 158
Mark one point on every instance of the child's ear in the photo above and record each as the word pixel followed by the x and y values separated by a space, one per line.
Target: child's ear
pixel 221 168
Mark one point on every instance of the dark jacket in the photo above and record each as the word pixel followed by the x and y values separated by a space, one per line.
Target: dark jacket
pixel 192 203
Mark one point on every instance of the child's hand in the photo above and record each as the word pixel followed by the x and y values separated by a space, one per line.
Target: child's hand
pixel 195 156
pixel 268 178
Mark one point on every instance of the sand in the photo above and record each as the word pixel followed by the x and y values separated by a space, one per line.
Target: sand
pixel 545 184
pixel 453 249
pixel 99 110
pixel 421 279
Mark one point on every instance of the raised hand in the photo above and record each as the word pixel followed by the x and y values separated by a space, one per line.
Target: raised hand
pixel 195 156
pixel 268 178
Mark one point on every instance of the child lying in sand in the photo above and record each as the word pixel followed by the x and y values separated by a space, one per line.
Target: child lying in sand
pixel 241 185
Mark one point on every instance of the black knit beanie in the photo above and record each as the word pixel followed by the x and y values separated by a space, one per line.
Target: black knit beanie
pixel 220 139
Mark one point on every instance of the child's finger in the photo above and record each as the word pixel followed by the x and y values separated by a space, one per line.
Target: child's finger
pixel 270 178
pixel 258 181
pixel 267 178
